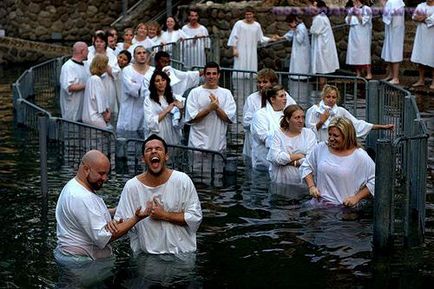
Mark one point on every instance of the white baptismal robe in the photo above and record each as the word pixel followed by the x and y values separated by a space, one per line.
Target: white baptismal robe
pixel 194 49
pixel 359 38
pixel 252 105
pixel 339 177
pixel 178 194
pixel 245 37
pixel 324 57
pixel 423 46
pixel 81 218
pixel 281 147
pixel 71 103
pixel 300 51
pixel 131 113
pixel 95 102
pixel 313 115
pixel 265 121
pixel 163 128
pixel 210 132
pixel 394 28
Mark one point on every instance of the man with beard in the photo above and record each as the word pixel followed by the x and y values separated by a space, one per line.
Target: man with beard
pixel 84 224
pixel 172 200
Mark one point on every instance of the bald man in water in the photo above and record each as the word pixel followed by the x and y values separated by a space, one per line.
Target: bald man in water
pixel 84 224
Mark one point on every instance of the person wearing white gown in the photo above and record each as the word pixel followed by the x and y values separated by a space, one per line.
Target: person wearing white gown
pixel 127 38
pixel 324 57
pixel 423 46
pixel 100 44
pixel 319 116
pixel 171 199
pixel 171 35
pixel 340 172
pixel 141 34
pixel 359 19
pixel 73 78
pixel 154 35
pixel 393 45
pixel 244 39
pixel 194 49
pixel 209 110
pixel 266 78
pixel 290 145
pixel 131 111
pixel 96 110
pixel 265 121
pixel 161 117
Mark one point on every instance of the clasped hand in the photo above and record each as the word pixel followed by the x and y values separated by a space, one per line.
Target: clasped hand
pixel 214 102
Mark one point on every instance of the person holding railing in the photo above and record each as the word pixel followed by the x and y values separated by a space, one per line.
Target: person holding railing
pixel 324 57
pixel 339 172
pixel 319 116
pixel 359 19
pixel 244 39
pixel 290 145
pixel 73 78
pixel 423 46
pixel 96 109
pixel 265 121
pixel 163 109
pixel 134 78
pixel 197 41
pixel 393 45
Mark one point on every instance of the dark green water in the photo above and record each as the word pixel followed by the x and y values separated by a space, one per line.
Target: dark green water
pixel 252 235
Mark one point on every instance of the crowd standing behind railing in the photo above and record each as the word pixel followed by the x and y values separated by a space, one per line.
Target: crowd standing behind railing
pixel 144 97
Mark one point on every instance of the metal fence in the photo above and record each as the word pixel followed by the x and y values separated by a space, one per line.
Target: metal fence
pixel 401 154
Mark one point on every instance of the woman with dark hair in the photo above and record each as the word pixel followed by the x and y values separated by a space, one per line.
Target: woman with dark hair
pixel 289 146
pixel 171 33
pixel 265 122
pixel 339 172
pixel 163 109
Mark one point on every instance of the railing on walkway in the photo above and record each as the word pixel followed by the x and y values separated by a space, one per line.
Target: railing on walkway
pixel 401 154
pixel 401 166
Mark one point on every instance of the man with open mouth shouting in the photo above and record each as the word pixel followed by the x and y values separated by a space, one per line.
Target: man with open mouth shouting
pixel 172 203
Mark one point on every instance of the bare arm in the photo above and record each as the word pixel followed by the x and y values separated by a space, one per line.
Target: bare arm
pixel 383 126
pixel 363 193
pixel 118 229
pixel 313 191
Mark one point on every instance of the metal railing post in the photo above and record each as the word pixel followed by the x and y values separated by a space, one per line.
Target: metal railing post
pixel 121 148
pixel 43 135
pixel 383 201
pixel 372 112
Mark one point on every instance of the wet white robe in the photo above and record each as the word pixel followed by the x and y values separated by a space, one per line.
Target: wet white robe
pixel 95 102
pixel 164 128
pixel 359 37
pixel 81 218
pixel 338 177
pixel 210 132
pixel 324 57
pixel 245 37
pixel 265 121
pixel 278 156
pixel 160 237
pixel 394 28
pixel 252 105
pixel 194 49
pixel 423 46
pixel 71 103
pixel 313 114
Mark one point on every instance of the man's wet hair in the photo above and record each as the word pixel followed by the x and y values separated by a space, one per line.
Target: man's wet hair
pixel 154 137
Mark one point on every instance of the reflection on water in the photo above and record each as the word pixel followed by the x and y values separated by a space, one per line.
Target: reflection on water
pixel 254 235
